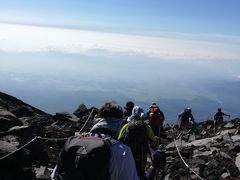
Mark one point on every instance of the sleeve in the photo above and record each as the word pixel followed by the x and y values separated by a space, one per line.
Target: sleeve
pixel 224 114
pixel 122 131
pixel 150 134
pixel 192 118
pixel 180 114
pixel 162 115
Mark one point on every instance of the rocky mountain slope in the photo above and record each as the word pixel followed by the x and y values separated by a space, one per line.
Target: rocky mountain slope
pixel 30 141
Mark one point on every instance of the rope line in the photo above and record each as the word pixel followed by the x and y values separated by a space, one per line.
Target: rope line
pixel 19 148
pixel 37 137
pixel 53 139
pixel 86 122
pixel 45 138
pixel 185 162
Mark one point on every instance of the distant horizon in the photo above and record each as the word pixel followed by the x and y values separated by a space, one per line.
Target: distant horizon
pixel 167 120
pixel 59 53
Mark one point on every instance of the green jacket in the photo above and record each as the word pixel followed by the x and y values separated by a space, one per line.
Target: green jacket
pixel 150 133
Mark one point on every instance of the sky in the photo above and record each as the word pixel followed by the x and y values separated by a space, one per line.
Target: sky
pixel 191 39
pixel 186 16
pixel 166 29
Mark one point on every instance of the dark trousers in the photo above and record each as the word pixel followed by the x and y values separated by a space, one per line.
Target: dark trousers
pixel 155 129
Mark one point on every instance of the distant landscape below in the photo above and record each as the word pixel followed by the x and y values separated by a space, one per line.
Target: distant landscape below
pixel 56 82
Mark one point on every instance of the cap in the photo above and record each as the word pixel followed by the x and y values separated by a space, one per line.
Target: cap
pixel 129 105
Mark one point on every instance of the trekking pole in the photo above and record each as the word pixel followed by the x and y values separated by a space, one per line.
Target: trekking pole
pixel 86 122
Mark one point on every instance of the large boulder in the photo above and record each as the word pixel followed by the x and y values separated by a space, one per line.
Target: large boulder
pixel 8 120
pixel 81 111
pixel 63 117
pixel 23 111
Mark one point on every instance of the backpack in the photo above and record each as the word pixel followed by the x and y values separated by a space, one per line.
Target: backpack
pixel 136 138
pixel 155 116
pixel 85 158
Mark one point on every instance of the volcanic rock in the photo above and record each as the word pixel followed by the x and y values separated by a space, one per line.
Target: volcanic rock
pixel 40 137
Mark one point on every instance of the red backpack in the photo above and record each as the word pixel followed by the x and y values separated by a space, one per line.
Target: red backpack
pixel 155 116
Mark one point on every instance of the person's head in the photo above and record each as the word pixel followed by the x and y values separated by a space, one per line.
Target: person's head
pixel 219 109
pixel 111 114
pixel 110 109
pixel 188 110
pixel 137 112
pixel 154 104
pixel 129 106
pixel 159 159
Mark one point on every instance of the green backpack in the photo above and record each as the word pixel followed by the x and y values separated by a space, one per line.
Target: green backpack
pixel 136 138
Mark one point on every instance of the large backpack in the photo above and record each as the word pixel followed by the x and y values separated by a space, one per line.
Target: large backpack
pixel 155 116
pixel 84 158
pixel 136 138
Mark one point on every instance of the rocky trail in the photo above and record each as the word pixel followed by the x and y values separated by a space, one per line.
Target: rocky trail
pixel 30 141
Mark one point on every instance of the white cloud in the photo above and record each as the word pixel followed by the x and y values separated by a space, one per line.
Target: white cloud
pixel 24 38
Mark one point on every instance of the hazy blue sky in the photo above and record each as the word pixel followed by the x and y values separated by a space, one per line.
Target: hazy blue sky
pixel 120 48
pixel 191 16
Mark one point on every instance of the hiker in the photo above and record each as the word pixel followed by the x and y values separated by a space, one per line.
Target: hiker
pixel 158 165
pixel 97 155
pixel 127 112
pixel 138 135
pixel 218 117
pixel 156 118
pixel 186 119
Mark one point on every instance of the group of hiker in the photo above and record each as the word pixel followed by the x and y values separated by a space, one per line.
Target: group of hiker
pixel 118 145
pixel 116 148
pixel 187 120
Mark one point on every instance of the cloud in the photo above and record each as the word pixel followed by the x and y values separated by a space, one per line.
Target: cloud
pixel 27 38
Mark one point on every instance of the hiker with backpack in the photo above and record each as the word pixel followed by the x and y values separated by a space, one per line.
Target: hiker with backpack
pixel 218 117
pixel 186 119
pixel 97 155
pixel 156 118
pixel 138 135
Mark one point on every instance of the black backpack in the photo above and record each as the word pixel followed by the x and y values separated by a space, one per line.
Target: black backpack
pixel 84 158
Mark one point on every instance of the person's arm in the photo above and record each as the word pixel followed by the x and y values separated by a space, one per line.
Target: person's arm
pixel 122 131
pixel 151 136
pixel 225 114
pixel 162 115
pixel 180 115
pixel 192 118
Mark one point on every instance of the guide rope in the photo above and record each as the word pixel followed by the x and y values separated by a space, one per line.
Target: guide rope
pixel 45 138
pixel 179 136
